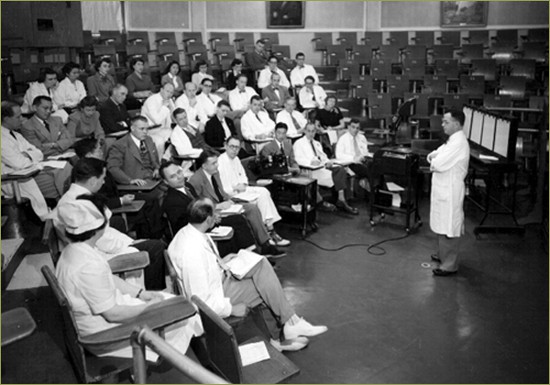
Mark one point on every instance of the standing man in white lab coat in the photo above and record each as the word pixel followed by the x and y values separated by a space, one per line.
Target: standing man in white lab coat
pixel 449 165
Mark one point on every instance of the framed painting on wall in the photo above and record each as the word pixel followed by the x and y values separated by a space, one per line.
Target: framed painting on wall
pixel 285 14
pixel 455 14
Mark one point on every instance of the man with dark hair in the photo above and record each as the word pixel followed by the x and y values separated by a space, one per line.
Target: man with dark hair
pixel 257 59
pixel 274 95
pixel 281 145
pixel 203 273
pixel 256 124
pixel 89 176
pixel 219 127
pixel 178 198
pixel 158 109
pixel 19 154
pixel 449 166
pixel 239 97
pixel 45 86
pixel 264 79
pixel 295 120
pixel 184 137
pixel 47 132
pixel 188 101
pixel 113 115
pixel 206 183
pixel 206 101
pixel 301 71
pixel 133 159
pixel 353 147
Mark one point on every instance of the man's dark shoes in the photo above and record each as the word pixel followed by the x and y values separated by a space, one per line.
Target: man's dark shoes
pixel 443 273
pixel 347 208
pixel 435 258
pixel 271 252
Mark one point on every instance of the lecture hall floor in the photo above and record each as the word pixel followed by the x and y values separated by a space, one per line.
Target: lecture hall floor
pixel 390 320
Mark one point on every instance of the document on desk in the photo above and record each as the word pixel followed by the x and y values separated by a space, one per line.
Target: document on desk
pixel 66 155
pixel 233 209
pixel 243 263
pixel 221 231
pixel 192 153
pixel 246 196
pixel 488 157
pixel 394 187
pixel 342 162
pixel 254 352
pixel 54 163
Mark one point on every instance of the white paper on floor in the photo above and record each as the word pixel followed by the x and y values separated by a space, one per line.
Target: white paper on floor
pixel 28 274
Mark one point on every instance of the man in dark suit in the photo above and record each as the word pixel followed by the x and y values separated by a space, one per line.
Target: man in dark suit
pixel 257 60
pixel 133 159
pixel 178 198
pixel 46 132
pixel 206 183
pixel 219 127
pixel 281 145
pixel 113 115
pixel 274 96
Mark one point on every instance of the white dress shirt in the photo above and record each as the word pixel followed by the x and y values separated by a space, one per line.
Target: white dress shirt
pixel 195 258
pixel 306 97
pixel 193 117
pixel 252 125
pixel 240 100
pixel 206 106
pixel 345 148
pixel 264 79
pixel 69 94
pixel 157 112
pixel 298 75
pixel 285 117
pixel 305 155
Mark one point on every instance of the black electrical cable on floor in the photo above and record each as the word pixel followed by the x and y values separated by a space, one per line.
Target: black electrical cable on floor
pixel 369 247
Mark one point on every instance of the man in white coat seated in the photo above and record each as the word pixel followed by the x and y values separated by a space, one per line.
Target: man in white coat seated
pixel 301 71
pixel 188 101
pixel 207 102
pixel 158 109
pixel 309 154
pixel 449 166
pixel 256 126
pixel 353 147
pixel 239 97
pixel 203 273
pixel 312 95
pixel 100 299
pixel 235 181
pixel 295 120
pixel 264 79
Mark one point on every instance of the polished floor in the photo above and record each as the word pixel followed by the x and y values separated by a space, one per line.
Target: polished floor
pixel 390 320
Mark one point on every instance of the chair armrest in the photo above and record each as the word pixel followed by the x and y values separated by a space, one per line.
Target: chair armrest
pixel 133 207
pixel 128 262
pixel 312 167
pixel 155 316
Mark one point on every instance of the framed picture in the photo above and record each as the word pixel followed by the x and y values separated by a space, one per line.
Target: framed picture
pixel 285 14
pixel 455 14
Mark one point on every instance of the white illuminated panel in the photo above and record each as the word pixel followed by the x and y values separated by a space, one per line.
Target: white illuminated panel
pixel 502 137
pixel 477 127
pixel 488 136
pixel 468 121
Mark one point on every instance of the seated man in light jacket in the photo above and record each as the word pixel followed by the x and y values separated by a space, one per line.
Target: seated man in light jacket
pixel 353 147
pixel 158 109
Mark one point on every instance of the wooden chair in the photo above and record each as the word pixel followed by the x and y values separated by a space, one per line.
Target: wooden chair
pixel 477 37
pixel 399 38
pixel 89 367
pixel 450 37
pixel 425 38
pixel 374 39
pixel 225 358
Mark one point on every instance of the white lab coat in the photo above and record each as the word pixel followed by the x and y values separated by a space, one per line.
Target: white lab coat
pixel 303 152
pixel 298 75
pixel 251 126
pixel 285 117
pixel 206 106
pixel 193 117
pixel 157 112
pixel 264 79
pixel 240 101
pixel 69 94
pixel 306 97
pixel 449 165
pixel 345 148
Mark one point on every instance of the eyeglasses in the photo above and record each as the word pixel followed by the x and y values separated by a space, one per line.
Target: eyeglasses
pixel 233 147
pixel 207 85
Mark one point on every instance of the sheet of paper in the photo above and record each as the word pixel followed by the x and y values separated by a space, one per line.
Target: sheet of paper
pixel 254 352
pixel 65 155
pixel 395 199
pixel 243 262
pixel 233 209
pixel 221 231
pixel 192 153
pixel 247 196
pixel 342 162
pixel 54 163
pixel 394 187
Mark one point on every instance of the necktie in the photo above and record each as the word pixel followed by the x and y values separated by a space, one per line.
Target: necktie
pixel 295 122
pixel 258 117
pixel 142 147
pixel 274 72
pixel 217 189
pixel 282 148
pixel 314 150
pixel 210 98
pixel 223 266
pixel 13 134
pixel 47 126
pixel 356 146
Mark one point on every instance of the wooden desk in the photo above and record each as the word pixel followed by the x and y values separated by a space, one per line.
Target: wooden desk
pixel 218 238
pixel 19 176
pixel 16 325
pixel 133 207
pixel 127 188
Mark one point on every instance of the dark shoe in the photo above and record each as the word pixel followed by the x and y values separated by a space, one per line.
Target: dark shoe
pixel 271 252
pixel 327 207
pixel 443 273
pixel 435 258
pixel 347 208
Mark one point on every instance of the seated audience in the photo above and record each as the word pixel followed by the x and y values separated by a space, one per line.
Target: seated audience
pixel 84 123
pixel 309 154
pixel 264 79
pixel 70 91
pixel 113 115
pixel 178 198
pixel 158 109
pixel 200 73
pixel 207 102
pixel 235 181
pixel 353 147
pixel 301 71
pixel 295 121
pixel 206 183
pixel 239 98
pixel 256 124
pixel 45 86
pixel 184 137
pixel 171 74
pixel 281 145
pixel 235 72
pixel 147 223
pixel 257 60
pixel 101 300
pixel 274 95
pixel 45 131
pixel 312 95
pixel 133 159
pixel 219 127
pixel 19 154
pixel 188 101
pixel 89 175
pixel 101 84
pixel 203 273
pixel 139 84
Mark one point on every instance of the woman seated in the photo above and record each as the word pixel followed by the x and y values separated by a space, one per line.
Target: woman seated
pixel 84 122
pixel 172 75
pixel 330 124
pixel 200 73
pixel 139 85
pixel 99 299
pixel 102 83
pixel 70 90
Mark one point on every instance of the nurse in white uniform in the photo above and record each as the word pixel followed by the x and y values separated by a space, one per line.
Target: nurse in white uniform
pixel 99 299
pixel 449 165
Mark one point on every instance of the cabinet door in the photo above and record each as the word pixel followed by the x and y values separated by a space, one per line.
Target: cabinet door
pixel 16 24
pixel 56 24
